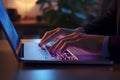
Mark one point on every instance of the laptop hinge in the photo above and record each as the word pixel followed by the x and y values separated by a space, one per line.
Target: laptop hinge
pixel 21 52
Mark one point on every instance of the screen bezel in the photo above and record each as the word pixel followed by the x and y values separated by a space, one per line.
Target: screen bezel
pixel 18 42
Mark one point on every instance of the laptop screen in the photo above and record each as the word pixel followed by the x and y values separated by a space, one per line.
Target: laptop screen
pixel 8 28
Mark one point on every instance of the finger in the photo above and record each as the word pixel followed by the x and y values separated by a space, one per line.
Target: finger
pixel 46 35
pixel 50 35
pixel 57 46
pixel 66 45
pixel 60 41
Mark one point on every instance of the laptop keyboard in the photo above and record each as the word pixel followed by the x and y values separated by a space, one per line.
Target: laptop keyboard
pixel 65 56
pixel 44 53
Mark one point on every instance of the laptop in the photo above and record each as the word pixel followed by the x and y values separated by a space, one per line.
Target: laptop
pixel 30 52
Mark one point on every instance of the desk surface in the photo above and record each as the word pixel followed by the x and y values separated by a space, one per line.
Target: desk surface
pixel 9 65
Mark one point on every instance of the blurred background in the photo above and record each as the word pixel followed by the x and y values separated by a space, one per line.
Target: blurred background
pixel 37 16
pixel 64 13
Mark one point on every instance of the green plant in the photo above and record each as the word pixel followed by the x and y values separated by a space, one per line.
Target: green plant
pixel 70 13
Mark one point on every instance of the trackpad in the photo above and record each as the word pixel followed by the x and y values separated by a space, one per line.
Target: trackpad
pixel 33 52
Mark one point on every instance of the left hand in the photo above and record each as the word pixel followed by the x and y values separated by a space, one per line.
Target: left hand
pixel 56 33
pixel 90 43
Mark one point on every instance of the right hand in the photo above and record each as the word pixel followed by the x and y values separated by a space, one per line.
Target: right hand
pixel 55 34
pixel 89 43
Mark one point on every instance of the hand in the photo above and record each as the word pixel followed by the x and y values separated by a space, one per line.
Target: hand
pixel 90 43
pixel 55 34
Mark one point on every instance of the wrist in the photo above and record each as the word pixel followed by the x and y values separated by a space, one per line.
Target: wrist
pixel 80 29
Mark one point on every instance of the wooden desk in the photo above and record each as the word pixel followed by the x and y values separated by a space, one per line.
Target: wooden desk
pixel 9 65
pixel 8 62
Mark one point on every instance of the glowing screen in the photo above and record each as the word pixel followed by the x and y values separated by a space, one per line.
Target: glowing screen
pixel 8 28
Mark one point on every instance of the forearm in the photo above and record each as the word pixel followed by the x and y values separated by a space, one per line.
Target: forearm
pixel 105 24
